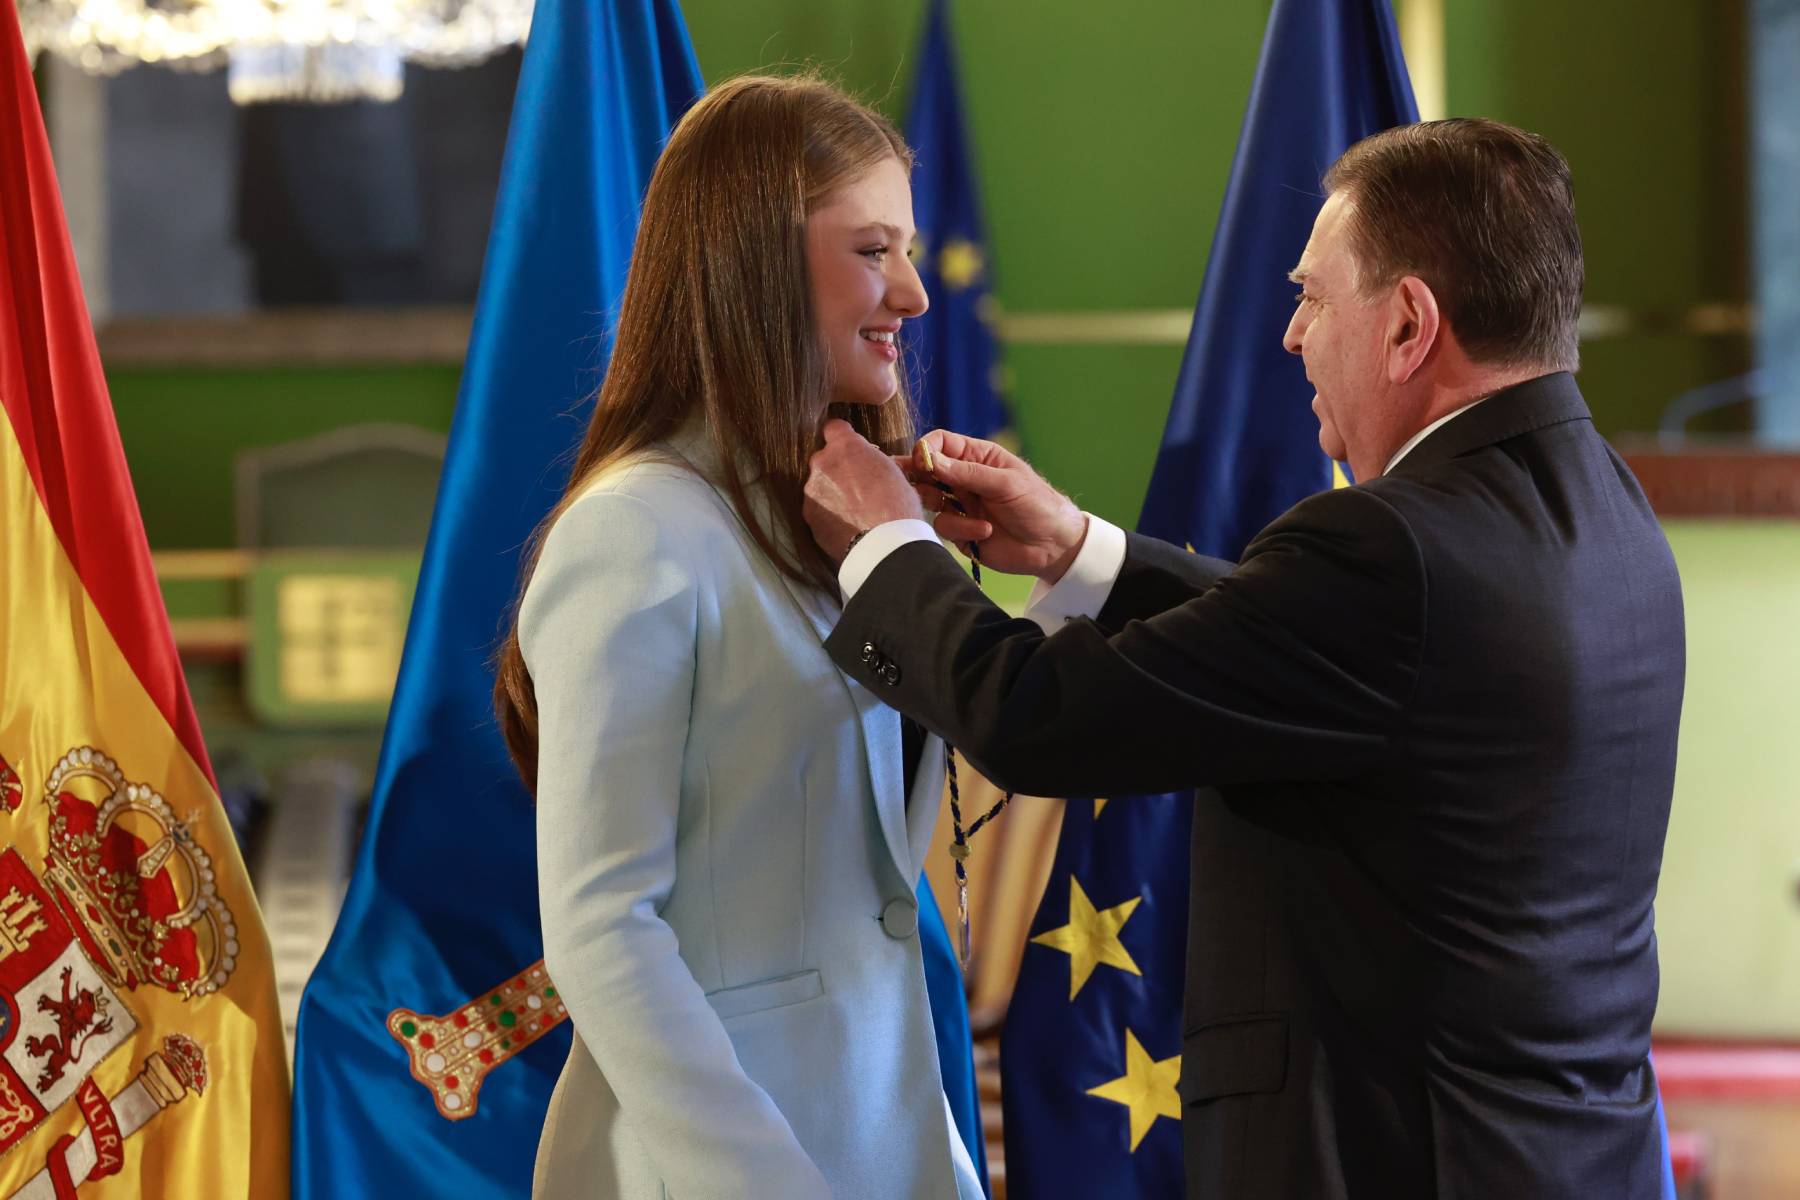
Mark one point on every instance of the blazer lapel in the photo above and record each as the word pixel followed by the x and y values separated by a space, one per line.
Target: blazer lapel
pixel 882 750
pixel 927 798
pixel 880 724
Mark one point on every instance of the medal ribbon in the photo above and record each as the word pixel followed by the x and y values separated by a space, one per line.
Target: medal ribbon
pixel 959 846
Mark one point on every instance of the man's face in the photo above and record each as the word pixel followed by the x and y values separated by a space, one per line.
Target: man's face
pixel 1338 335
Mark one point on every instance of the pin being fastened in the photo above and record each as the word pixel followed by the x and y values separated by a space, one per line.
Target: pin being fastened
pixel 959 845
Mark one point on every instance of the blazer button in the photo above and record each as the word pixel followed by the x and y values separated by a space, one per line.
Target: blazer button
pixel 890 671
pixel 900 919
pixel 868 652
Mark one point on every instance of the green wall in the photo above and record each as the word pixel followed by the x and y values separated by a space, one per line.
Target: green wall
pixel 181 430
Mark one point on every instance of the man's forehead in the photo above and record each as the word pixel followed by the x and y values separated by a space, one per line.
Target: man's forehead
pixel 1323 237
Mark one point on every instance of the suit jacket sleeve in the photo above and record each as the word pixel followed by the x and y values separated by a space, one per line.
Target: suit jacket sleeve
pixel 1298 664
pixel 1155 578
pixel 608 628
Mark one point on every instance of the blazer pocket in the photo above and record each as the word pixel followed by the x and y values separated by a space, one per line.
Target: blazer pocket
pixel 779 992
pixel 1234 1056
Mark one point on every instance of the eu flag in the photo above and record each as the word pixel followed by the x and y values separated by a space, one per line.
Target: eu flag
pixel 1092 1047
pixel 953 354
pixel 429 1039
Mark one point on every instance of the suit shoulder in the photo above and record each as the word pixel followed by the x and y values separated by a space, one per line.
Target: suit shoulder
pixel 632 516
pixel 662 483
pixel 614 551
pixel 1361 516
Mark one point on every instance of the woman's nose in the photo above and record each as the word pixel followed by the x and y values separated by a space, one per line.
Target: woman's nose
pixel 906 291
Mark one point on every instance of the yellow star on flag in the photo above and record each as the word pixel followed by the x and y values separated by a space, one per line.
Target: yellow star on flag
pixel 1147 1089
pixel 1091 937
pixel 959 263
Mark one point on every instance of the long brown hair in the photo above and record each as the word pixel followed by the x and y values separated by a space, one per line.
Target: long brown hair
pixel 717 318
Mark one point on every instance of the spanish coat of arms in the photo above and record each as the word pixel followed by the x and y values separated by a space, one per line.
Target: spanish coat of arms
pixel 125 899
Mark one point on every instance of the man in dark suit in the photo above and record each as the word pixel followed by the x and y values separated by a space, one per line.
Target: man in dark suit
pixel 1439 708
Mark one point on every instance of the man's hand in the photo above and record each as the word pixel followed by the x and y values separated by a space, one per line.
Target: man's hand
pixel 853 486
pixel 1022 524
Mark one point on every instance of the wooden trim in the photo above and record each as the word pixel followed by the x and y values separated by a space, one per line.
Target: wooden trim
pixel 203 564
pixel 322 337
pixel 211 637
pixel 1717 481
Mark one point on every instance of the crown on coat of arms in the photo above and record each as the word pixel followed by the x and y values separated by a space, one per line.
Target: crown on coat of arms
pixel 138 889
pixel 184 1064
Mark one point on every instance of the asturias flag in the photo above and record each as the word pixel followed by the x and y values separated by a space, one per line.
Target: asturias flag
pixel 429 1035
pixel 140 1043
pixel 1092 1047
pixel 952 351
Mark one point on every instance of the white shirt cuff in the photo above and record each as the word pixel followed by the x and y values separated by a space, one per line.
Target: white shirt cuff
pixel 1083 590
pixel 876 545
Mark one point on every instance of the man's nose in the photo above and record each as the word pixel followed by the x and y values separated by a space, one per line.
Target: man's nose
pixel 1296 331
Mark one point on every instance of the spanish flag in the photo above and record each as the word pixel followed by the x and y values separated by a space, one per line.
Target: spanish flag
pixel 140 1047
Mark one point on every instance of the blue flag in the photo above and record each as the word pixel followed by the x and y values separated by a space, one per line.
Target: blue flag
pixel 429 1039
pixel 952 353
pixel 1092 1047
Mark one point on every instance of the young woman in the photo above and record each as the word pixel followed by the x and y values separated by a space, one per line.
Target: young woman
pixel 726 857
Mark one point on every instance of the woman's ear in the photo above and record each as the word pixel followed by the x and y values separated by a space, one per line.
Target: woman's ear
pixel 1413 326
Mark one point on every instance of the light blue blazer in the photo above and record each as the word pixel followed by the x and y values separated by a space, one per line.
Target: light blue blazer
pixel 726 867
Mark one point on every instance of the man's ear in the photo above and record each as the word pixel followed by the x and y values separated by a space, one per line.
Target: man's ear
pixel 1412 328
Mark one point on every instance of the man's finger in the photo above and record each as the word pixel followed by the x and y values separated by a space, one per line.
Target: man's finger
pixel 946 444
pixel 957 528
pixel 977 479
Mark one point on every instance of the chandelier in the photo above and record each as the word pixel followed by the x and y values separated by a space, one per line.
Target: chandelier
pixel 314 50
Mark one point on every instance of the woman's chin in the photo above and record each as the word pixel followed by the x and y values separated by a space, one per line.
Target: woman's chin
pixel 871 395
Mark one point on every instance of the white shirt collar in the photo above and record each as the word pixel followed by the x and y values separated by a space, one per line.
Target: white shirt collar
pixel 1420 436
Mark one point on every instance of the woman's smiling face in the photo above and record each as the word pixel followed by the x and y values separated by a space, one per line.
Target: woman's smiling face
pixel 863 283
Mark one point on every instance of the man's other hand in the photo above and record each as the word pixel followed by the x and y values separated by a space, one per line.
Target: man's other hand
pixel 1022 524
pixel 853 486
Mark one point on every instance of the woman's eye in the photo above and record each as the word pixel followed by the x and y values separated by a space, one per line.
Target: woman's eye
pixel 875 251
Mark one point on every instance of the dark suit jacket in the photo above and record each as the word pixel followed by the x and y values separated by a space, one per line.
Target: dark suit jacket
pixel 1439 709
